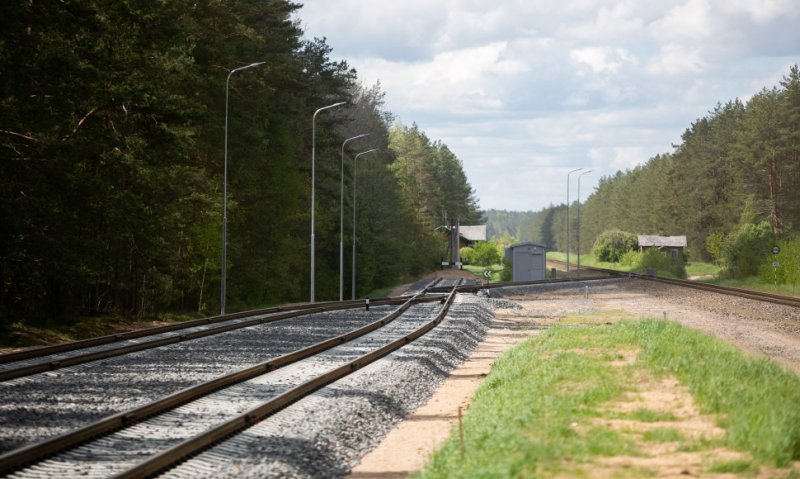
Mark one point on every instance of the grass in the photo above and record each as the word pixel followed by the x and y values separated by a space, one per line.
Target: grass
pixel 736 466
pixel 587 259
pixel 536 413
pixel 478 271
pixel 694 268
pixel 757 284
pixel 379 293
pixel 757 398
pixel 648 415
pixel 523 418
pixel 662 435
pixel 59 330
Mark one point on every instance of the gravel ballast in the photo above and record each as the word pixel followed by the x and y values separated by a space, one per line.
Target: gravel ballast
pixel 44 405
pixel 326 434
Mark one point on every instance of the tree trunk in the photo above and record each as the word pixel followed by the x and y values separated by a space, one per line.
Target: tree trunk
pixel 774 214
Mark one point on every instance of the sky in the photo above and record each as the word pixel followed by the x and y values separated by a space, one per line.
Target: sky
pixel 524 91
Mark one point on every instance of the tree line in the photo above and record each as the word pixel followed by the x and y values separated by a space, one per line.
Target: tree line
pixel 731 186
pixel 735 168
pixel 111 162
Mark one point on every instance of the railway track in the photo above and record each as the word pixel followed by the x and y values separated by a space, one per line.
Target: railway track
pixel 200 415
pixel 738 292
pixel 49 358
pixel 70 398
pixel 150 438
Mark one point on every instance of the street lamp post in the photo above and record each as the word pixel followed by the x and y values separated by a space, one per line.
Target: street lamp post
pixel 223 284
pixel 568 228
pixel 355 164
pixel 341 221
pixel 579 222
pixel 313 179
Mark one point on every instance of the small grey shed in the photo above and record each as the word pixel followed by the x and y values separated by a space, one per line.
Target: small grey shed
pixel 527 261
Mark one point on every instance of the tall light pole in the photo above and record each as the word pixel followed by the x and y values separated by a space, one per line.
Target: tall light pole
pixel 313 179
pixel 223 285
pixel 341 221
pixel 568 228
pixel 355 164
pixel 579 221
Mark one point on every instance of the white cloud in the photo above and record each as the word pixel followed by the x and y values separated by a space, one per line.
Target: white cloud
pixel 690 22
pixel 762 11
pixel 615 22
pixel 675 59
pixel 627 157
pixel 459 80
pixel 524 91
pixel 603 60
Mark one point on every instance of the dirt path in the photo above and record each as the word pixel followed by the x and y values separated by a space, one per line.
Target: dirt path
pixel 776 334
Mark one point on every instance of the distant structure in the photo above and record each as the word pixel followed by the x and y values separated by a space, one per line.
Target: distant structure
pixel 458 237
pixel 670 246
pixel 468 235
pixel 527 260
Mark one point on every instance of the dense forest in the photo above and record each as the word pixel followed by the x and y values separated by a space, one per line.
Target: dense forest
pixel 737 169
pixel 112 128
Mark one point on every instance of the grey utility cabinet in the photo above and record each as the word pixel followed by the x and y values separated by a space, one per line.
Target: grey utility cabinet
pixel 527 261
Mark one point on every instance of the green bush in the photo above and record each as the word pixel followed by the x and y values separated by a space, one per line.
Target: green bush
pixel 714 243
pixel 631 258
pixel 788 269
pixel 745 248
pixel 485 254
pixel 507 273
pixel 467 255
pixel 654 259
pixel 678 267
pixel 611 245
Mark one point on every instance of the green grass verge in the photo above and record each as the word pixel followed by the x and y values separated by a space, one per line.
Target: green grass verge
pixel 59 330
pixel 647 415
pixel 587 259
pixel 757 399
pixel 734 467
pixel 379 293
pixel 692 268
pixel 662 435
pixel 496 270
pixel 523 418
pixel 533 416
pixel 757 284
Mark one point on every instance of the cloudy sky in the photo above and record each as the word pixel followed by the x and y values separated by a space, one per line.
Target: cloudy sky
pixel 524 91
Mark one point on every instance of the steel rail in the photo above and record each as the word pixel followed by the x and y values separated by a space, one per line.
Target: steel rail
pixel 714 288
pixel 32 453
pixel 41 351
pixel 472 288
pixel 192 446
pixel 13 373
pixel 742 293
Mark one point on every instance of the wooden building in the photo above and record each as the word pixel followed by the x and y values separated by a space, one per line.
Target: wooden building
pixel 671 246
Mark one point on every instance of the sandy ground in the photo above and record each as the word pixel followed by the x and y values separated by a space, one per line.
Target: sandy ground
pixel 748 325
